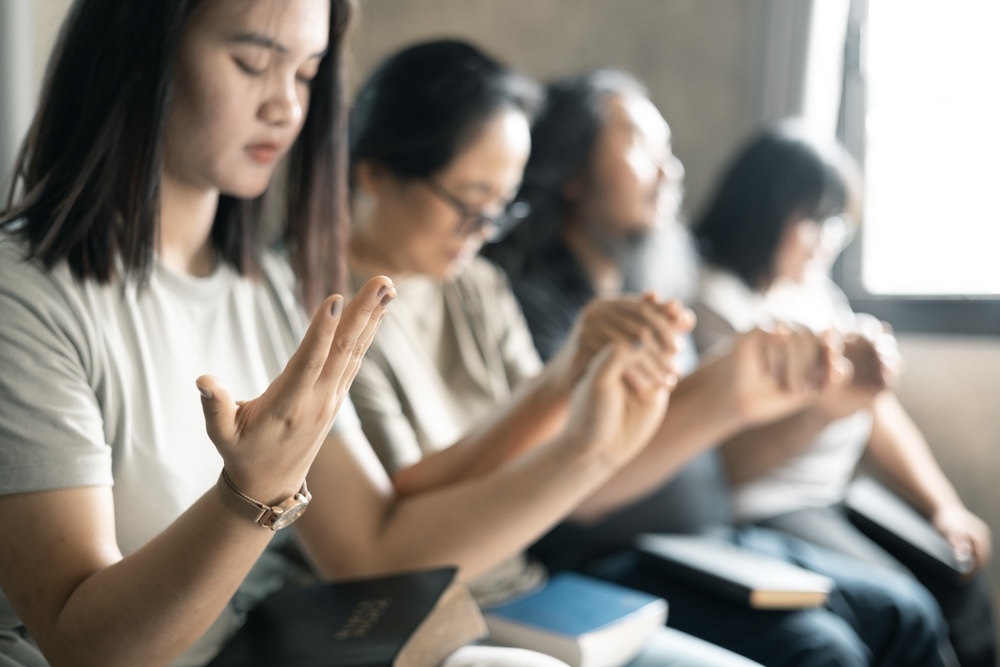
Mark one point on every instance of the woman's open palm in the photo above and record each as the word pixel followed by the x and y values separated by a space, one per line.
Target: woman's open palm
pixel 268 443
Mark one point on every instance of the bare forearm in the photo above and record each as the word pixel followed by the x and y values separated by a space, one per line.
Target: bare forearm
pixel 535 413
pixel 149 607
pixel 475 524
pixel 901 453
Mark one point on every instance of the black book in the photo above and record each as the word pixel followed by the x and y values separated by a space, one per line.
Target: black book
pixel 727 570
pixel 414 619
pixel 893 524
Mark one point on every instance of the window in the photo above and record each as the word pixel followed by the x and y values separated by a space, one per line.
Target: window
pixel 926 119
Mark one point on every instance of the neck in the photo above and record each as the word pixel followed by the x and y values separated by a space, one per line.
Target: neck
pixel 367 257
pixel 605 276
pixel 186 217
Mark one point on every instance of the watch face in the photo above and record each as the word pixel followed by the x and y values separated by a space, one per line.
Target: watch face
pixel 292 509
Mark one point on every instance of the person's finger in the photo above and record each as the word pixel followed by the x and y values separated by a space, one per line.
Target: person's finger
pixel 367 337
pixel 630 316
pixel 360 316
pixel 666 330
pixel 981 544
pixel 352 372
pixel 219 407
pixel 832 368
pixel 682 318
pixel 649 365
pixel 771 351
pixel 804 357
pixel 963 550
pixel 607 366
pixel 620 326
pixel 307 362
pixel 782 349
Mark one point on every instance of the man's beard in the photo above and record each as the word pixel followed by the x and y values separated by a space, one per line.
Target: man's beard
pixel 662 259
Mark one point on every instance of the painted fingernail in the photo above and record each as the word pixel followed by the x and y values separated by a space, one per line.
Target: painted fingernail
pixel 383 290
pixel 388 298
pixel 205 393
pixel 337 308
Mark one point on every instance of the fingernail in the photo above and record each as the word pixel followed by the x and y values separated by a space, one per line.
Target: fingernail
pixel 387 299
pixel 383 290
pixel 205 393
pixel 337 308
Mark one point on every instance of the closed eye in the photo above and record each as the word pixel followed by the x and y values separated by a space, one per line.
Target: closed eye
pixel 306 78
pixel 247 69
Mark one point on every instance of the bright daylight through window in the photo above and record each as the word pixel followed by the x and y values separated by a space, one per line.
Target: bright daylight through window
pixel 933 148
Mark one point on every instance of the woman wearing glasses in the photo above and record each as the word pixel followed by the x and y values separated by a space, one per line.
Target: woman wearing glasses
pixel 769 235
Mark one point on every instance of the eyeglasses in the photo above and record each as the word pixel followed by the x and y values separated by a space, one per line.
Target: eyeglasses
pixel 474 222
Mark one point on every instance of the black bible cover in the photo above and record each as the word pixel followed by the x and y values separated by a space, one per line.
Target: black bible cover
pixel 902 531
pixel 415 618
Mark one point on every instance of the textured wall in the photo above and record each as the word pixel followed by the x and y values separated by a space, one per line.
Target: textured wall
pixel 697 57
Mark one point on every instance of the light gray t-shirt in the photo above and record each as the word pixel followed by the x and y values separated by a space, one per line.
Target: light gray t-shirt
pixel 97 389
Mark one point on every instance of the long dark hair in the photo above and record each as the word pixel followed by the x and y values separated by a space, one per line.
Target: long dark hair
pixel 779 173
pixel 421 106
pixel 86 184
pixel 563 138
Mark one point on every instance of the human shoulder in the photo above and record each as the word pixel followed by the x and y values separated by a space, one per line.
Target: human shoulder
pixel 483 277
pixel 280 282
pixel 723 294
pixel 18 269
pixel 51 296
pixel 277 270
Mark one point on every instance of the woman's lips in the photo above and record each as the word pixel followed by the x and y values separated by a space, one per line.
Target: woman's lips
pixel 264 153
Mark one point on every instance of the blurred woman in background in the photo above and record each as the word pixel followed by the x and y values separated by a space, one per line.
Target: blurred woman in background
pixel 782 212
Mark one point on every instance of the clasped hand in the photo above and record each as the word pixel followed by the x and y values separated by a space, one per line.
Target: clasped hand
pixel 631 320
pixel 875 366
pixel 621 360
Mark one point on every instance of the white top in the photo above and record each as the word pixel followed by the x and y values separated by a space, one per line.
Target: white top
pixel 818 476
pixel 97 389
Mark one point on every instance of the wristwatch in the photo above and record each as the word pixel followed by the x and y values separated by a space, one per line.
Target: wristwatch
pixel 275 518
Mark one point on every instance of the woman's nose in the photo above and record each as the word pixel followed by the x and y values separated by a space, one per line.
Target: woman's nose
pixel 282 106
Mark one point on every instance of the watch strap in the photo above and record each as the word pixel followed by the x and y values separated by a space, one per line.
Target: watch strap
pixel 239 502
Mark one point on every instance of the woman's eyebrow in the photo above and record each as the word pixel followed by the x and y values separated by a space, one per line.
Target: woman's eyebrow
pixel 263 41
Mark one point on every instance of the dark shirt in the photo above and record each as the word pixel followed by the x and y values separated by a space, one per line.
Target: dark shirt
pixel 553 288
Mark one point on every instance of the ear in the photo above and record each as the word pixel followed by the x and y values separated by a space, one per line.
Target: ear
pixel 370 177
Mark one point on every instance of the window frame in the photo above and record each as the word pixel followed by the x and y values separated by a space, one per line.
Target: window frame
pixel 959 314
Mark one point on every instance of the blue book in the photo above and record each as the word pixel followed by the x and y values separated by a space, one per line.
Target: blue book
pixel 582 621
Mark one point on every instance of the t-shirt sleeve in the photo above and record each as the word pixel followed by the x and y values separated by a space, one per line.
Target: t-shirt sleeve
pixel 521 358
pixel 381 415
pixel 51 423
pixel 723 308
pixel 712 330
